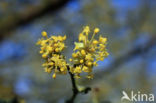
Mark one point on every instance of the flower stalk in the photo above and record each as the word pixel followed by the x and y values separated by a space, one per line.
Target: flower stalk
pixel 74 88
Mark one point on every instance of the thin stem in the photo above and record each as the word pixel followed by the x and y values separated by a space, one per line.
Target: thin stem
pixel 73 82
pixel 92 37
pixel 74 88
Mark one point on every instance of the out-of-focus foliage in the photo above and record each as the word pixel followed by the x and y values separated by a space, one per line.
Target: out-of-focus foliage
pixel 126 23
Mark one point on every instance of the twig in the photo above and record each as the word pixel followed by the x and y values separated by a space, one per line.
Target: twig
pixel 75 89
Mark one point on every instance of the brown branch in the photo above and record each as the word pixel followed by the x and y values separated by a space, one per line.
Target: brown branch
pixel 15 20
pixel 75 89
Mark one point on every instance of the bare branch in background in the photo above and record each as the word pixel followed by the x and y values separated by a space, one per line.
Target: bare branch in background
pixel 15 20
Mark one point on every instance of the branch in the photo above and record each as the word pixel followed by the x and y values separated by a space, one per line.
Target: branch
pixel 15 20
pixel 75 89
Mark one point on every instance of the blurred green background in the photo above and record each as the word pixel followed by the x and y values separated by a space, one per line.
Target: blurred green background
pixel 129 25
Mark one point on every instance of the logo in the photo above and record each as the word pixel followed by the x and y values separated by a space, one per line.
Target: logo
pixel 137 97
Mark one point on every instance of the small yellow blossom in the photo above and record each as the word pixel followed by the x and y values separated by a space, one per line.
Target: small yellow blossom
pixel 89 63
pixel 82 37
pixel 48 70
pixel 86 30
pixel 70 60
pixel 81 61
pixel 88 56
pixel 92 49
pixel 74 55
pixel 41 52
pixel 83 52
pixel 96 30
pixel 64 37
pixel 51 63
pixel 85 69
pixel 102 40
pixel 56 49
pixel 44 55
pixel 95 42
pixel 78 70
pixel 54 75
pixel 44 34
pixel 95 64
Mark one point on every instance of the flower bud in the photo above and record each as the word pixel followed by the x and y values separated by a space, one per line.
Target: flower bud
pixel 44 34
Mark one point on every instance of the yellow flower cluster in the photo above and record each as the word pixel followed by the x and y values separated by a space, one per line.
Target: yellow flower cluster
pixel 87 52
pixel 51 49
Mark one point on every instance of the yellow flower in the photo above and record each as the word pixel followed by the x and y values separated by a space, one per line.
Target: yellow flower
pixel 54 75
pixel 82 37
pixel 49 49
pixel 44 55
pixel 64 37
pixel 77 70
pixel 57 50
pixel 70 60
pixel 86 69
pixel 49 70
pixel 83 52
pixel 44 64
pixel 51 63
pixel 102 47
pixel 43 42
pixel 86 30
pixel 88 57
pixel 102 40
pixel 95 42
pixel 89 63
pixel 41 51
pixel 92 49
pixel 44 34
pixel 39 42
pixel 56 45
pixel 74 55
pixel 96 30
pixel 81 61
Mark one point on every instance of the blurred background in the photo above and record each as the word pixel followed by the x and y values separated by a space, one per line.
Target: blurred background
pixel 129 25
